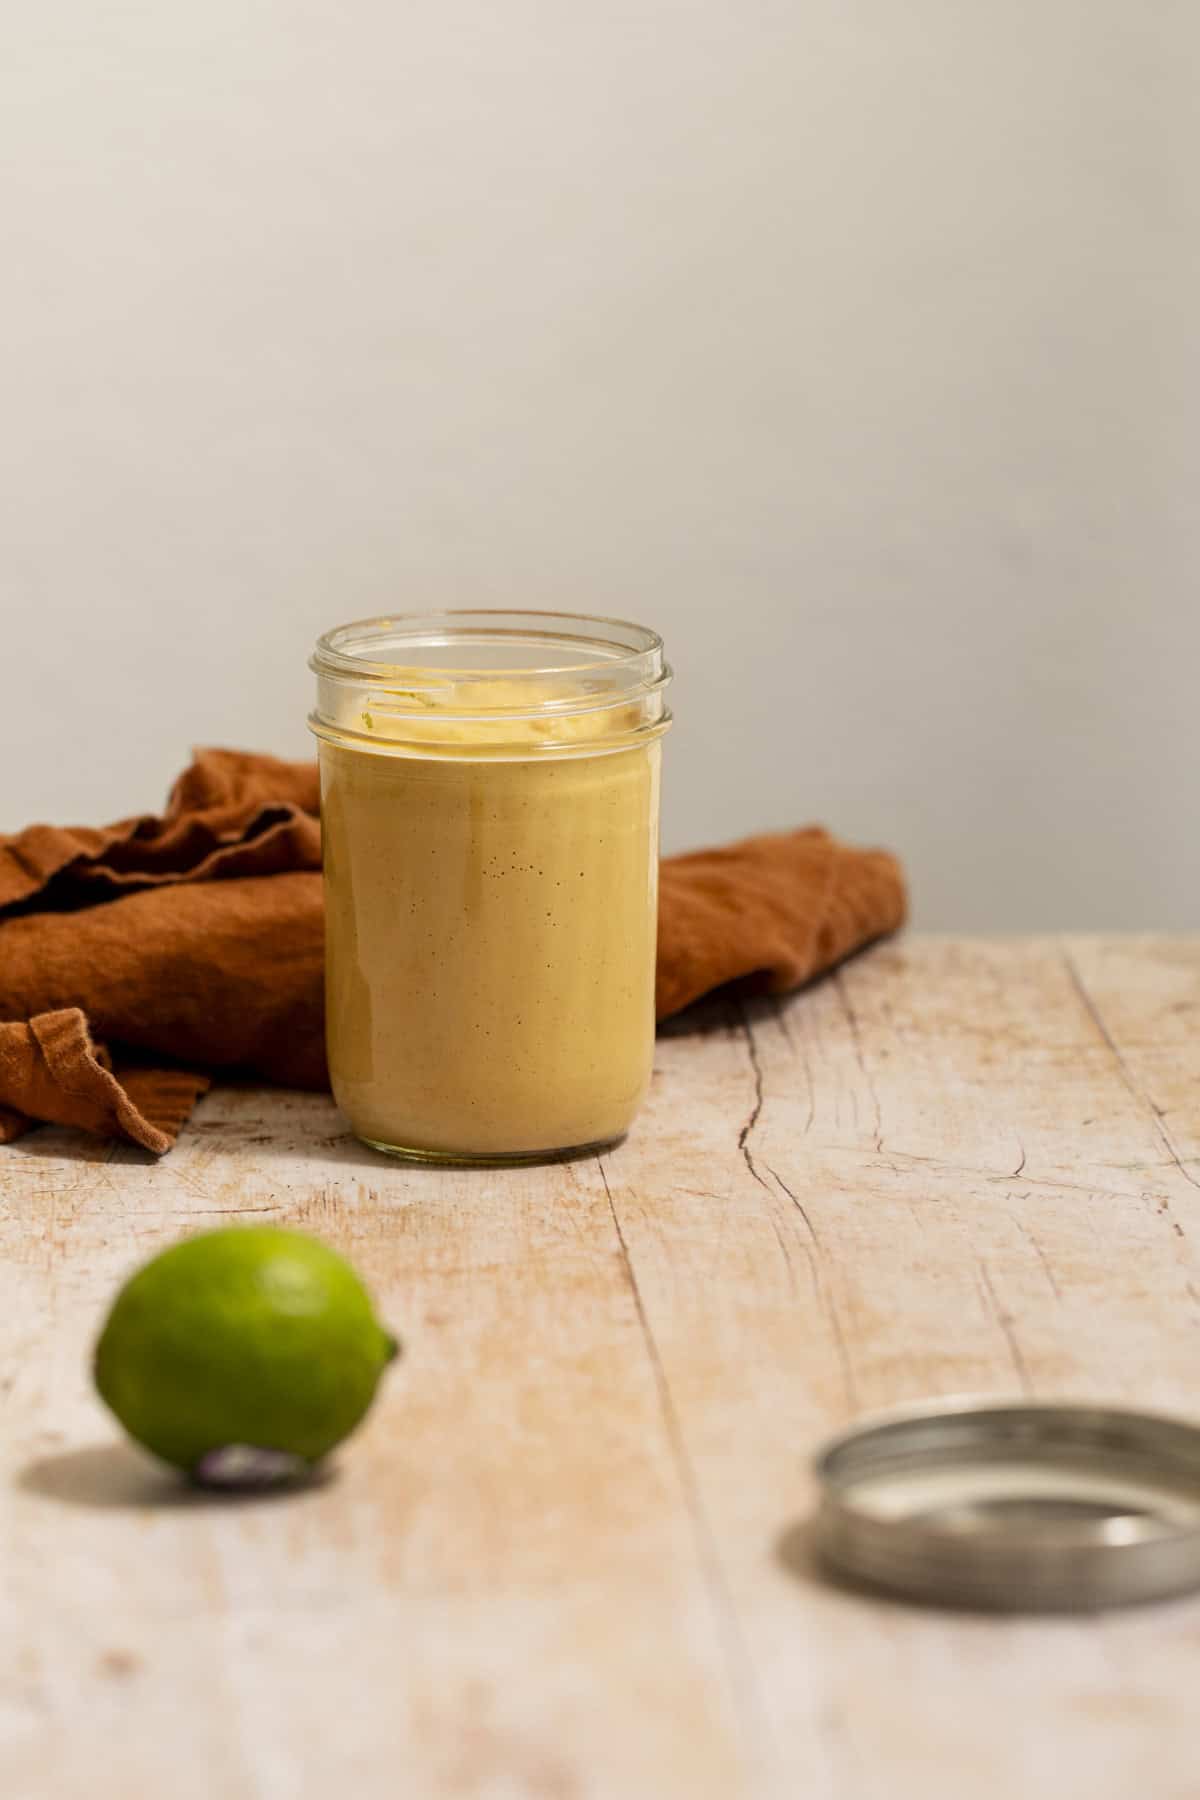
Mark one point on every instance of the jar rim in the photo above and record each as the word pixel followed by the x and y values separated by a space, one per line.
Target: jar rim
pixel 614 641
pixel 509 683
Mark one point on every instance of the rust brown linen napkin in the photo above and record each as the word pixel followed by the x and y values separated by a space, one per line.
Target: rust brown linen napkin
pixel 193 942
pixel 773 911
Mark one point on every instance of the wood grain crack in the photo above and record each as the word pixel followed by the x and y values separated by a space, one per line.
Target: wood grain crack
pixel 786 1254
pixel 755 1112
pixel 811 1250
pixel 796 1202
pixel 821 1293
pixel 748 1158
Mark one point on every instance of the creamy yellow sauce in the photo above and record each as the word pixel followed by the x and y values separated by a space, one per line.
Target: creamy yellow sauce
pixel 490 931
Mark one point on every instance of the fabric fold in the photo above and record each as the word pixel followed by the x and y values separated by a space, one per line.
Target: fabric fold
pixel 231 812
pixel 51 1067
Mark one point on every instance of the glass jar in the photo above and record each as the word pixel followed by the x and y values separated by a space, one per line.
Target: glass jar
pixel 489 794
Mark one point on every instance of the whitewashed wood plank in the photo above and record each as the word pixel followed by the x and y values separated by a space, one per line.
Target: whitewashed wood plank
pixel 945 1186
pixel 560 1561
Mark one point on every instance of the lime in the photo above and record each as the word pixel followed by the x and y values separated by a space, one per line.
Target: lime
pixel 242 1354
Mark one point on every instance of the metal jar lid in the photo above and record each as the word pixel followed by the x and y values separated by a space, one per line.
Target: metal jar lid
pixel 1013 1505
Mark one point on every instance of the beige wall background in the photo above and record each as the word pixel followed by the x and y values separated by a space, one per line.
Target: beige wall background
pixel 854 345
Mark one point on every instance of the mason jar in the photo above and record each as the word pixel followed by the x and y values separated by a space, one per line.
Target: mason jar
pixel 490 799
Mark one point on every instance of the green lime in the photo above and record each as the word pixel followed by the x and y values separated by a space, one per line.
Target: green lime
pixel 242 1354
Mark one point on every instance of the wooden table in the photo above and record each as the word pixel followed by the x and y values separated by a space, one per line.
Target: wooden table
pixel 562 1559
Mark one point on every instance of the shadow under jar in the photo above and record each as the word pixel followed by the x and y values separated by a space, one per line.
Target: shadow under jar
pixel 489 796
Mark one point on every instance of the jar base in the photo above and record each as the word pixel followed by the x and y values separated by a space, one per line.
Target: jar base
pixel 511 1159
